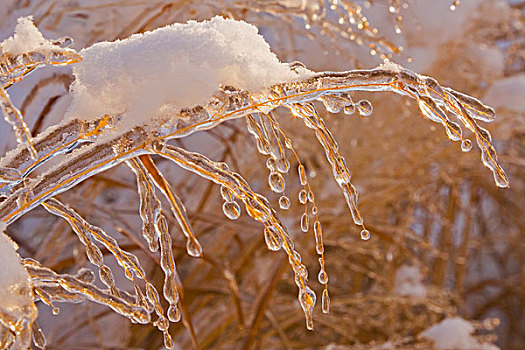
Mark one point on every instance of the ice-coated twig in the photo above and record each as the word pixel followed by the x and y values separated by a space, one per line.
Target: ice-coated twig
pixel 63 287
pixel 95 156
pixel 256 206
pixel 83 147
pixel 13 116
pixel 88 233
pixel 21 54
pixel 307 112
pixel 155 229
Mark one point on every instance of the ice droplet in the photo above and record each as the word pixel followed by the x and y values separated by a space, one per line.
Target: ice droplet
pixel 319 247
pixel 365 108
pixel 174 314
pixel 304 222
pixel 307 300
pixel 325 301
pixel 284 202
pixel 226 194
pixel 303 196
pixel 38 337
pixel 232 210
pixel 466 145
pixel 302 174
pixel 350 109
pixel 193 247
pixel 270 164
pixel 322 277
pixel 276 182
pixel 365 235
pixel 283 165
pixel 311 196
pixel 272 239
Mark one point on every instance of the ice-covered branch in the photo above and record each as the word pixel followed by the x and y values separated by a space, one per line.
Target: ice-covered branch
pixel 132 96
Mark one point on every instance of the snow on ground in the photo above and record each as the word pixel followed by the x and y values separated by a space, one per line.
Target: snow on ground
pixel 455 334
pixel 180 64
pixel 408 282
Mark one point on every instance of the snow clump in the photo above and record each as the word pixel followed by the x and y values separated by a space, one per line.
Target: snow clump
pixel 408 282
pixel 27 38
pixel 180 65
pixel 455 334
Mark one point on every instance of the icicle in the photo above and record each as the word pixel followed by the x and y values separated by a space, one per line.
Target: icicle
pixel 307 300
pixel 489 158
pixel 46 299
pixel 177 207
pixel 66 287
pixel 474 107
pixel 340 171
pixel 256 206
pixel 275 144
pixel 148 208
pixel 88 232
pixel 84 233
pixel 127 260
pixel 167 263
pixel 38 337
pixel 262 142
